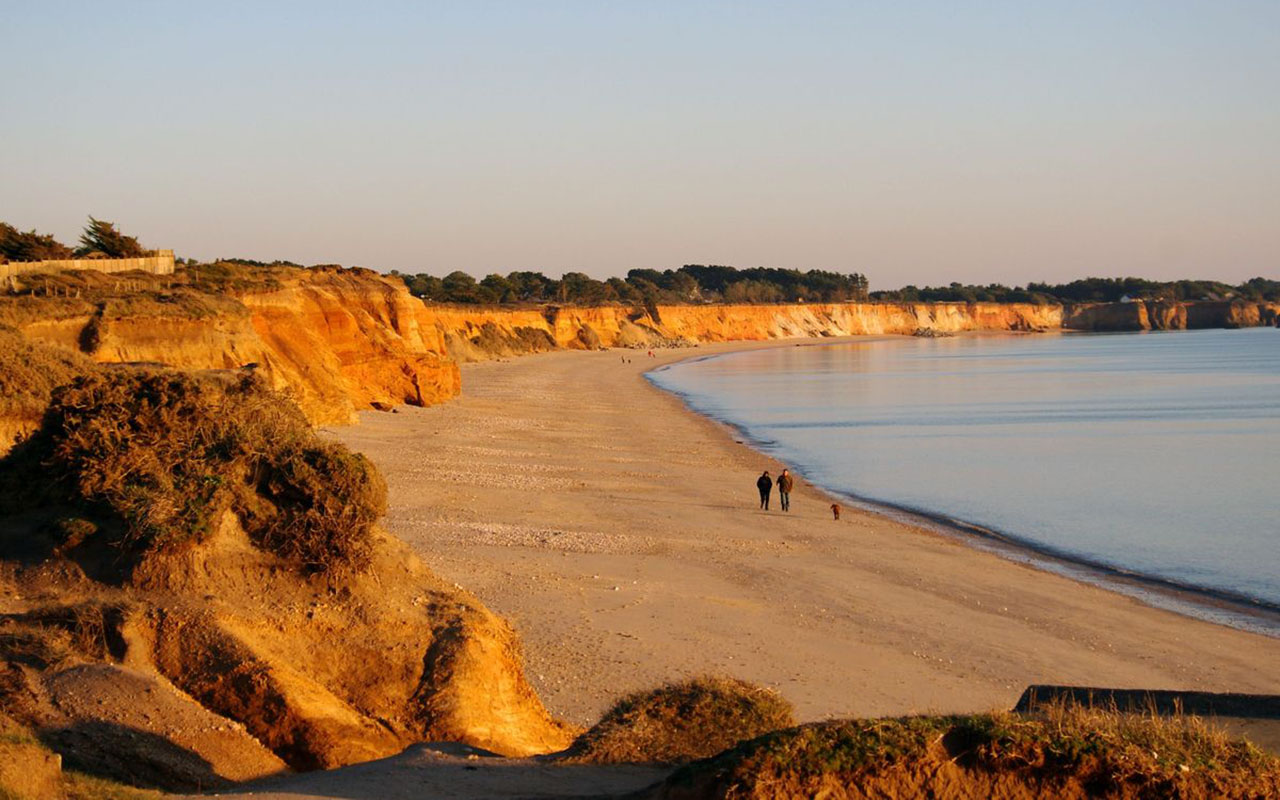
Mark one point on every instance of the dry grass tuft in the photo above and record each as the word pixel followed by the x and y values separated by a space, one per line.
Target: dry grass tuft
pixel 151 460
pixel 29 372
pixel 79 786
pixel 63 295
pixel 1104 752
pixel 682 722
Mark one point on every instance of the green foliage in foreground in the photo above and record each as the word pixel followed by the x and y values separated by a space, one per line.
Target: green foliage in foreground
pixel 683 721
pixel 149 461
pixel 1101 748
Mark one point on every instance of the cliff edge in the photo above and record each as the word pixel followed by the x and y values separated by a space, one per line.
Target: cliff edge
pixel 337 340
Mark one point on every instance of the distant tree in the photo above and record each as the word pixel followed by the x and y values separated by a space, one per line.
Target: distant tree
pixel 1260 289
pixel 531 287
pixel 580 288
pixel 16 245
pixel 425 286
pixel 102 237
pixel 713 279
pixel 459 287
pixel 497 289
pixel 649 275
pixel 626 292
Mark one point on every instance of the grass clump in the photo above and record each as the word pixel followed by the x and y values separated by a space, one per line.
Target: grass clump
pixel 80 786
pixel 151 460
pixel 682 722
pixel 29 372
pixel 128 295
pixel 1064 748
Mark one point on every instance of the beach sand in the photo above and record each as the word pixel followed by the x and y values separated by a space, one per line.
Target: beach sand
pixel 619 532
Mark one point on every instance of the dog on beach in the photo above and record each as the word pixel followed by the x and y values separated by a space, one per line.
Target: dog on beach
pixel 835 511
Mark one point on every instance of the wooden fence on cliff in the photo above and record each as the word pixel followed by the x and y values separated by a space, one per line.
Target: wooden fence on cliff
pixel 161 263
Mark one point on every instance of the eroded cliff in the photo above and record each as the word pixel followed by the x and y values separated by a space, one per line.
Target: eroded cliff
pixel 1168 315
pixel 194 590
pixel 343 340
pixel 337 340
pixel 477 333
pixel 474 334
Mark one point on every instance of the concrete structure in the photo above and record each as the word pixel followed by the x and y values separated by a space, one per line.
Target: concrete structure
pixel 159 263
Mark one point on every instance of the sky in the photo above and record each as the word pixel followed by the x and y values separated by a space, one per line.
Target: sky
pixel 915 142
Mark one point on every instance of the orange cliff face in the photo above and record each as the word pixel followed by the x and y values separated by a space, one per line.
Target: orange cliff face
pixel 352 340
pixel 337 340
pixel 477 333
pixel 342 340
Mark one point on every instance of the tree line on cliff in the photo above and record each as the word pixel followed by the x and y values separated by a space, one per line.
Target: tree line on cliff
pixel 100 239
pixel 1087 290
pixel 692 283
pixel 695 283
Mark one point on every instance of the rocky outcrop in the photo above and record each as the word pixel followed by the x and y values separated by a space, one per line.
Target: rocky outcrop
pixel 1168 315
pixel 217 663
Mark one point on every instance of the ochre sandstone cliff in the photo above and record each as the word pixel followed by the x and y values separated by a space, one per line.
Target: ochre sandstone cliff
pixel 477 333
pixel 473 334
pixel 344 340
pixel 337 340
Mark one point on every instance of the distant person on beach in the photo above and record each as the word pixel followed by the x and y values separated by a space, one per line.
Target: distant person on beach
pixel 765 485
pixel 835 511
pixel 785 482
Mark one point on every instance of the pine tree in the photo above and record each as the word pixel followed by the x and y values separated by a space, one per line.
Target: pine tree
pixel 16 245
pixel 102 237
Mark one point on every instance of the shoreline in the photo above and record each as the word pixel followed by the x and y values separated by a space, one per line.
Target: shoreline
pixel 616 529
pixel 1208 604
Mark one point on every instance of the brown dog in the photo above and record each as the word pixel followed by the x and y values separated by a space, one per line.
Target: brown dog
pixel 835 510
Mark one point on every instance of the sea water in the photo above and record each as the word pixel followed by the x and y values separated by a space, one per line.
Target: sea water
pixel 1153 454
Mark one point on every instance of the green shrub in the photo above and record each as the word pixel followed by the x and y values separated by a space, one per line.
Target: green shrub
pixel 681 722
pixel 29 372
pixel 151 460
pixel 1115 754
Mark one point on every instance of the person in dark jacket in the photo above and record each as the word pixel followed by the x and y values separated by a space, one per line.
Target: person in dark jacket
pixel 785 483
pixel 765 485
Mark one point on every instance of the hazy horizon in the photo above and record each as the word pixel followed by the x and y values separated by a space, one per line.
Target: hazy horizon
pixel 918 144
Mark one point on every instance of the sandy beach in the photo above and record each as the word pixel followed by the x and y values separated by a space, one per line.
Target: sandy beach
pixel 619 532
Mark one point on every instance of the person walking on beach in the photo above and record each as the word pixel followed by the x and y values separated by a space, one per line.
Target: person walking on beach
pixel 785 482
pixel 765 485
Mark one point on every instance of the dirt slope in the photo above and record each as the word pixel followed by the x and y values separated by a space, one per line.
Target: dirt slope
pixel 217 664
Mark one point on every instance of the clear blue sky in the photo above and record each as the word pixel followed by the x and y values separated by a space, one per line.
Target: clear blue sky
pixel 915 142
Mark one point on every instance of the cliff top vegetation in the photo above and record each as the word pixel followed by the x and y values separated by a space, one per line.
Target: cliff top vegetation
pixel 100 239
pixel 692 283
pixel 1088 290
pixel 698 284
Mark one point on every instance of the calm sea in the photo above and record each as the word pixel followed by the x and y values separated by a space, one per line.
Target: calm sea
pixel 1152 454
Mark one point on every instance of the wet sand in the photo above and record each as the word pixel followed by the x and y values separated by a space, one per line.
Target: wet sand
pixel 619 532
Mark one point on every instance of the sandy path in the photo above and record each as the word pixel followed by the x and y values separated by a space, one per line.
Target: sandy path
pixel 448 772
pixel 620 534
